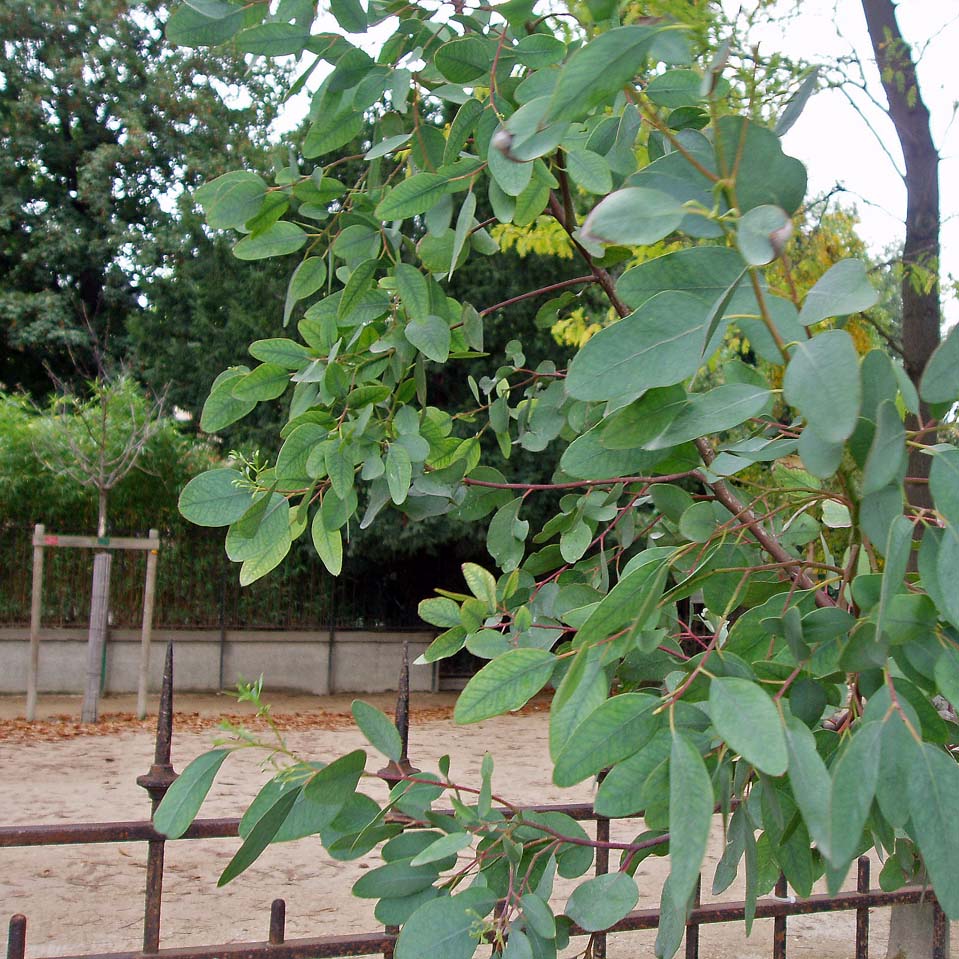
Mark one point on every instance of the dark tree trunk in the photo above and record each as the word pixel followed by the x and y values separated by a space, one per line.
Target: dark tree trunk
pixel 921 311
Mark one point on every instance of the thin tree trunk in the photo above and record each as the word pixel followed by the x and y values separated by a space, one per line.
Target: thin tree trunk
pixel 97 637
pixel 911 925
pixel 921 309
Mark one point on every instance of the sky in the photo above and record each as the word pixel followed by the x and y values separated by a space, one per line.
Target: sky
pixel 836 143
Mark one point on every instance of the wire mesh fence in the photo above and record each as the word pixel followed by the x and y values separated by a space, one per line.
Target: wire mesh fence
pixel 198 586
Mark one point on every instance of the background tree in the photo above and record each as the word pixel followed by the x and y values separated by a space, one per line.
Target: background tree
pixel 101 124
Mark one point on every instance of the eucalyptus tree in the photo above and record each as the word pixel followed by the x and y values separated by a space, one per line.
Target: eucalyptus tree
pixel 800 703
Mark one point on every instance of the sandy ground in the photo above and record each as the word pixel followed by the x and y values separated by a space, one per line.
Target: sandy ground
pixel 89 898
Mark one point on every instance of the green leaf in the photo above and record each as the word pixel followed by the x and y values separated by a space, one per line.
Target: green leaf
pixel 589 171
pixel 934 807
pixel 854 777
pixel 749 722
pixel 944 482
pixel 843 289
pixel 328 544
pixel 690 817
pixel 705 272
pixel 940 379
pixel 215 498
pixel 264 382
pixel 231 200
pixel 414 195
pixel 442 848
pixel 443 927
pixel 356 289
pixel 636 216
pixel 431 336
pixel 282 238
pixel 399 472
pixel 658 345
pixel 281 352
pixel 887 455
pixel 583 689
pixel 822 380
pixel 439 611
pixel 269 526
pixel 221 408
pixel 329 789
pixel 675 88
pixel 762 233
pixel 719 409
pixel 260 837
pixel 273 39
pixel 615 730
pixel 190 28
pixel 482 584
pixel 506 683
pixel 464 60
pixel 308 277
pixel 631 602
pixel 378 729
pixel 601 902
pixel 349 14
pixel 598 70
pixel 183 799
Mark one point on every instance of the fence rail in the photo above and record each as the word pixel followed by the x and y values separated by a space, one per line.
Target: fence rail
pixel 778 907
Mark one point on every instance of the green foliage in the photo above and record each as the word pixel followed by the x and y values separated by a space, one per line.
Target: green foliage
pixel 722 557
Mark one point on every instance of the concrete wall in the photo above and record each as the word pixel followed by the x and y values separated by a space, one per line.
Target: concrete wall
pixel 357 661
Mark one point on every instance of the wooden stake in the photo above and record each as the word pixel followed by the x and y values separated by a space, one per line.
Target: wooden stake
pixel 146 630
pixel 36 608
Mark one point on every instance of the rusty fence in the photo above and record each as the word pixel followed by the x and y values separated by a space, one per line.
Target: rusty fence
pixel 161 774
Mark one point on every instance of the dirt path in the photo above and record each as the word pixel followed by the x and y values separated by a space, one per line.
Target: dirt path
pixel 88 898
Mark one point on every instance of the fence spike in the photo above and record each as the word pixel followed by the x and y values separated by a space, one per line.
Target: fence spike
pixel 17 939
pixel 395 770
pixel 277 922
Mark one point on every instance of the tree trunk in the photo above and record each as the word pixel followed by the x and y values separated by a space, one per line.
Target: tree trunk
pixel 97 637
pixel 921 310
pixel 911 926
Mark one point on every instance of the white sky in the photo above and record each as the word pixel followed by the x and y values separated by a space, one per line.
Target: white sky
pixel 831 138
pixel 836 144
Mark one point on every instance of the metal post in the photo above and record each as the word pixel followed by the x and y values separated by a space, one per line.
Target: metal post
pixel 940 929
pixel 392 772
pixel 17 940
pixel 862 915
pixel 36 611
pixel 779 923
pixel 602 867
pixel 156 782
pixel 692 928
pixel 146 629
pixel 277 922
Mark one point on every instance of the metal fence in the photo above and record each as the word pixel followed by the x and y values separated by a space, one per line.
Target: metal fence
pixel 198 586
pixel 381 942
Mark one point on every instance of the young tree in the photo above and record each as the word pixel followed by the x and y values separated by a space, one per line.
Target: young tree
pixel 800 702
pixel 96 442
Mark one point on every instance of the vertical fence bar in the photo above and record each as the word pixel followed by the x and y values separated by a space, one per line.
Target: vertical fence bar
pixel 862 915
pixel 602 867
pixel 779 923
pixel 277 922
pixel 692 928
pixel 156 782
pixel 940 928
pixel 146 628
pixel 17 939
pixel 36 612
